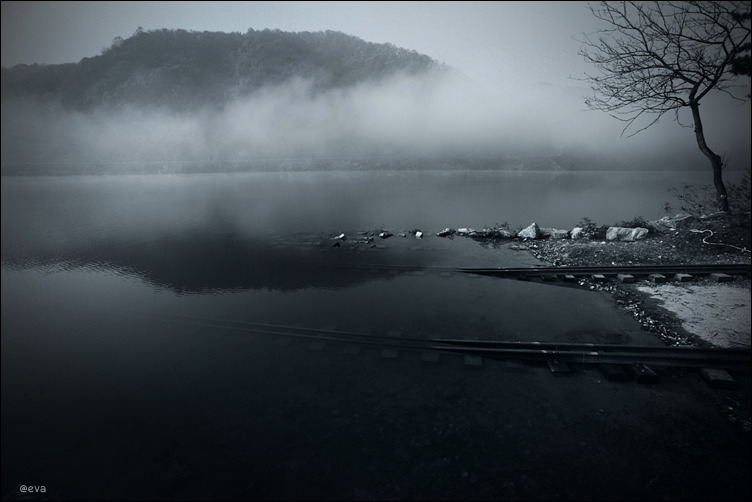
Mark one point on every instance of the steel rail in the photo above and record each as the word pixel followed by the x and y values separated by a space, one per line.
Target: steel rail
pixel 280 329
pixel 585 353
pixel 704 269
pixel 686 360
pixel 600 347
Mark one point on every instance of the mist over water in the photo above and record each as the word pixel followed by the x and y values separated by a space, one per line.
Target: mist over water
pixel 136 307
pixel 92 266
pixel 161 224
pixel 154 229
pixel 434 115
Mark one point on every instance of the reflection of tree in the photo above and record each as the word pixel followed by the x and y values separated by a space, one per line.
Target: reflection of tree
pixel 660 57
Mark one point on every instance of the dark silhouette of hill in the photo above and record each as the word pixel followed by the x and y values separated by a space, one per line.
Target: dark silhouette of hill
pixel 183 70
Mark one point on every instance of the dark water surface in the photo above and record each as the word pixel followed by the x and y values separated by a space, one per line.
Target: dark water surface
pixel 100 399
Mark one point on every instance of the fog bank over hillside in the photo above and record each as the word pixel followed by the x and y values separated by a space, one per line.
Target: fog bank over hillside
pixel 234 83
pixel 416 115
pixel 411 115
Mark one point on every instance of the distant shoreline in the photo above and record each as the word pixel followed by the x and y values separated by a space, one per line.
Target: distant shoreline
pixel 362 164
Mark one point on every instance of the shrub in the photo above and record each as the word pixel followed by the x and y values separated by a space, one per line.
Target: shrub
pixel 740 194
pixel 637 221
pixel 702 201
pixel 591 230
pixel 695 201
pixel 505 226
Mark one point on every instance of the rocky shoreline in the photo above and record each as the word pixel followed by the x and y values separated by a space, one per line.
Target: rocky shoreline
pixel 663 310
pixel 677 240
pixel 672 240
pixel 681 239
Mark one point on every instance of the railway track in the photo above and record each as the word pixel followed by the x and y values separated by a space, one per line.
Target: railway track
pixel 732 359
pixel 599 273
pixel 616 361
pixel 624 273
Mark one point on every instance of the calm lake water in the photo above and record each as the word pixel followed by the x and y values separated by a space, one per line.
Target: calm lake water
pixel 279 203
pixel 100 398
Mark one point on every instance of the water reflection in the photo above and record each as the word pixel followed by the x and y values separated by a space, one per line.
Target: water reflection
pixel 161 410
pixel 207 262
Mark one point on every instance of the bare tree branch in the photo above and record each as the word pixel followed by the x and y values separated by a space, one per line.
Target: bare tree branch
pixel 657 57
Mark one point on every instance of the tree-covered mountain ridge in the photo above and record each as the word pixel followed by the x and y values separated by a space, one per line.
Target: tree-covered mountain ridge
pixel 180 69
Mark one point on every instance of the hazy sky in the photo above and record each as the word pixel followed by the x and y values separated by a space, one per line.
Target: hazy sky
pixel 526 52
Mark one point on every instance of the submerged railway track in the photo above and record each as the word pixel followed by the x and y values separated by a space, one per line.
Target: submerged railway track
pixel 731 359
pixel 566 274
pixel 613 359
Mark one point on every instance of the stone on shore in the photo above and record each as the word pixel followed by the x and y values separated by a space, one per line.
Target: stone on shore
pixel 494 233
pixel 531 232
pixel 554 233
pixel 577 233
pixel 626 234
pixel 671 222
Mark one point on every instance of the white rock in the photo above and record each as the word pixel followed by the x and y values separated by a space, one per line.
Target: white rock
pixel 531 232
pixel 554 233
pixel 626 234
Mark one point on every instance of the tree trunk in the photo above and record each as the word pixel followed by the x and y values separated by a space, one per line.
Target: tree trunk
pixel 715 161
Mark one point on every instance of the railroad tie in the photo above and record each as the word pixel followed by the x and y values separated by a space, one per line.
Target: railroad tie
pixel 718 378
pixel 721 277
pixel 613 372
pixel 642 373
pixel 473 361
pixel 558 367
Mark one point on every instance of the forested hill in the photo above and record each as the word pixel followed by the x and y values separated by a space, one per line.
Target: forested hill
pixel 181 69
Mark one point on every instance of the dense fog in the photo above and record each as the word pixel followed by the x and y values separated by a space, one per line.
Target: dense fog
pixel 402 115
pixel 428 115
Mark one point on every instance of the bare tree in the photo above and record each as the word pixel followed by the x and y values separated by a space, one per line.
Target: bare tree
pixel 660 57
